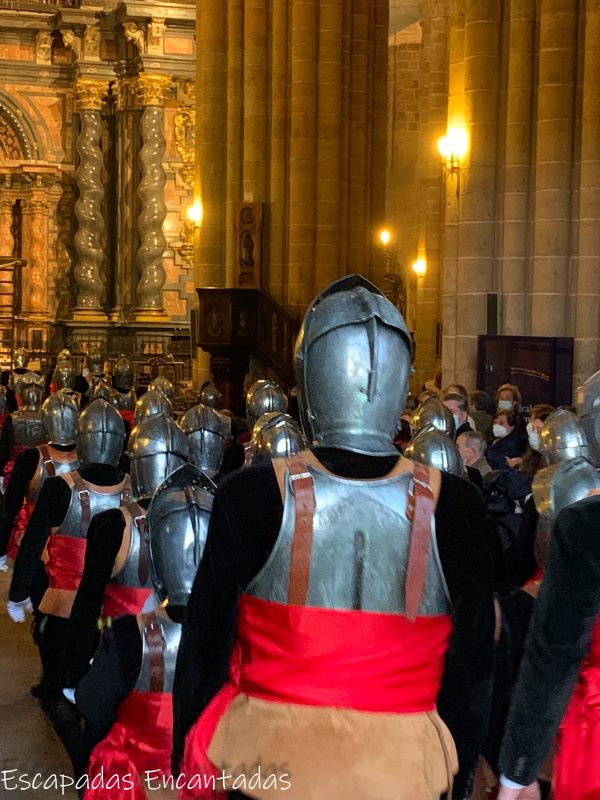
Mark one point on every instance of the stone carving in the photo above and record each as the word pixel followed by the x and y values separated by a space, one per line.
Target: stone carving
pixel 7 240
pixel 43 48
pixel 91 43
pixel 153 211
pixel 214 326
pixel 184 123
pixel 156 32
pixel 135 35
pixel 88 210
pixel 38 209
pixel 73 42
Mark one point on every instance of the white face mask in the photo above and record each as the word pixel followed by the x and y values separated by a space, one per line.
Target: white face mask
pixel 529 427
pixel 499 431
pixel 534 440
pixel 505 405
pixel 457 422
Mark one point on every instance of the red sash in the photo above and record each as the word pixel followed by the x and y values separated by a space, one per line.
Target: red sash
pixel 140 741
pixel 361 660
pixel 66 559
pixel 121 600
pixel 577 765
pixel 19 528
pixel 129 416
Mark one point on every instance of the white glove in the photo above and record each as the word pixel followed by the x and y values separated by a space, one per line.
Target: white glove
pixel 3 563
pixel 18 611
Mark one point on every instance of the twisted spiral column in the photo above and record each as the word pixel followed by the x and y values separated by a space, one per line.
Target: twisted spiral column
pixel 151 94
pixel 35 211
pixel 88 270
pixel 7 241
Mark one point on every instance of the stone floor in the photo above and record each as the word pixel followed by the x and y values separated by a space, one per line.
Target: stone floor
pixel 28 744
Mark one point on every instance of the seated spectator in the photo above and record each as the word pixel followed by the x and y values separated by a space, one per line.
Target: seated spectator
pixel 472 446
pixel 482 411
pixel 508 398
pixel 457 388
pixel 508 442
pixel 458 405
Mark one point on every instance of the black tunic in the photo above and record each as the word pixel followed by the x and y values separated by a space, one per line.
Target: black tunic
pixel 245 522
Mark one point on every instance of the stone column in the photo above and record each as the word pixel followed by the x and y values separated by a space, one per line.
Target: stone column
pixel 476 246
pixel 88 208
pixel 7 241
pixel 151 93
pixel 587 317
pixel 35 223
pixel 235 134
pixel 515 268
pixel 554 165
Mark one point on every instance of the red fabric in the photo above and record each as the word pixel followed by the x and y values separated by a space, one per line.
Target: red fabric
pixel 577 764
pixel 129 416
pixel 10 464
pixel 323 657
pixel 140 741
pixel 121 600
pixel 66 559
pixel 19 528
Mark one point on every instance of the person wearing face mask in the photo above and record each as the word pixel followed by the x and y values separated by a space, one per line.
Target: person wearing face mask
pixel 508 442
pixel 508 398
pixel 458 405
pixel 472 446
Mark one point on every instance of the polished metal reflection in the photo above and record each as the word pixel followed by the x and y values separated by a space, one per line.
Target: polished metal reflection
pixel 60 415
pixel 210 395
pixel 156 449
pixel 560 485
pixel 264 396
pixel 435 449
pixel 164 386
pixel 587 400
pixel 276 435
pixel 100 434
pixel 207 432
pixel 150 404
pixel 433 412
pixel 562 438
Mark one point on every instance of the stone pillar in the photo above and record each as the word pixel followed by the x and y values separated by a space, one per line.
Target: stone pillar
pixel 88 208
pixel 35 276
pixel 7 241
pixel 235 135
pixel 151 93
pixel 587 317
pixel 515 266
pixel 476 245
pixel 211 139
pixel 554 165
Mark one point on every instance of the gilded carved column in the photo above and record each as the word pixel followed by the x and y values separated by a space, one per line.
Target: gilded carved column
pixel 152 90
pixel 7 241
pixel 35 223
pixel 88 208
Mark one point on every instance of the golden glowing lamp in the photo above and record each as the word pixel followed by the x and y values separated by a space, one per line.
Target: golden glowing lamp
pixel 385 237
pixel 454 145
pixel 420 267
pixel 194 213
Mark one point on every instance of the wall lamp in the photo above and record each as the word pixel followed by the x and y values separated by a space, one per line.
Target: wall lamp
pixel 453 147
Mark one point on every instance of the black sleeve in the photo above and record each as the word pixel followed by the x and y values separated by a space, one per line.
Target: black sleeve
pixel 49 512
pixel 110 679
pixel 105 536
pixel 560 634
pixel 243 527
pixel 465 544
pixel 23 472
pixel 6 442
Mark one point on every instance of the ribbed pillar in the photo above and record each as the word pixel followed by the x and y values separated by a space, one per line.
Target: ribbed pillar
pixel 302 151
pixel 89 268
pixel 35 225
pixel 278 184
pixel 456 81
pixel 554 157
pixel 587 341
pixel 329 122
pixel 151 93
pixel 235 133
pixel 516 238
pixel 7 241
pixel 476 246
pixel 211 139
pixel 433 120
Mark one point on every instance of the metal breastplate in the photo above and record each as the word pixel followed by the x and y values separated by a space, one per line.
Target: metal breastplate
pixel 28 430
pixel 52 462
pixel 360 551
pixel 135 572
pixel 125 401
pixel 560 485
pixel 72 524
pixel 160 642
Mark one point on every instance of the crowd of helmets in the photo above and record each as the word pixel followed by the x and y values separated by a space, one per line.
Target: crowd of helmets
pixel 548 457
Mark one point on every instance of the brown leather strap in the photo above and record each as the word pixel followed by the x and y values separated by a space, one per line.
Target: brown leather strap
pixel 126 491
pixel 138 516
pixel 83 491
pixel 302 487
pixel 48 461
pixel 154 637
pixel 421 511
